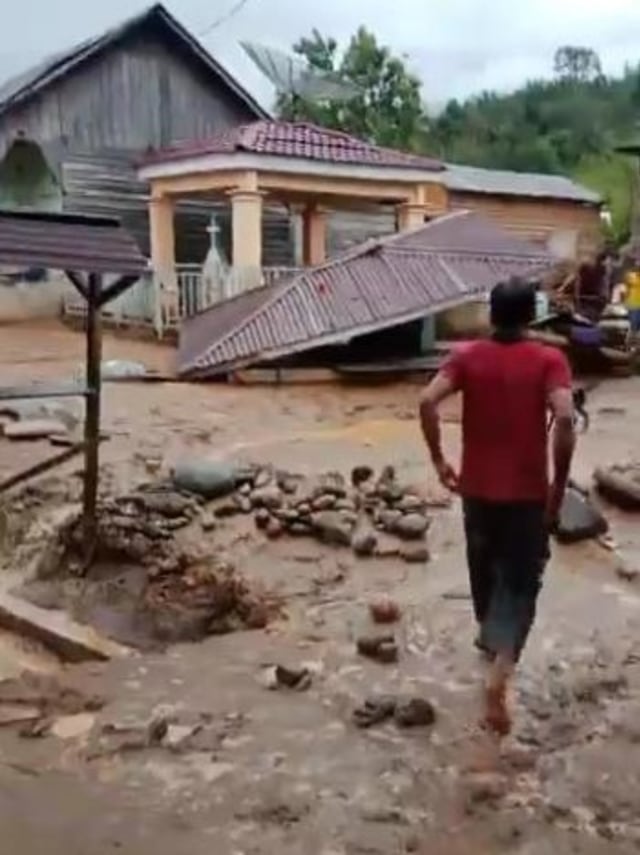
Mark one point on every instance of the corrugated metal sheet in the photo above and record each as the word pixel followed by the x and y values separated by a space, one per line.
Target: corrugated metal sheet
pixel 499 182
pixel 34 80
pixel 298 140
pixel 380 284
pixel 65 242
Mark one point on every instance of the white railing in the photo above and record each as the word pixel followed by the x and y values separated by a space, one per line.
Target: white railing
pixel 142 304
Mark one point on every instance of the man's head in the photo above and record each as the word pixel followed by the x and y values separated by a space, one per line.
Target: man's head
pixel 513 305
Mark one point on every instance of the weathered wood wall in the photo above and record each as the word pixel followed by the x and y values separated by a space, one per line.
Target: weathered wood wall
pixel 99 120
pixel 536 219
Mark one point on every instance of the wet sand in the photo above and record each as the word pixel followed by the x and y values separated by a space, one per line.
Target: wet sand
pixel 288 772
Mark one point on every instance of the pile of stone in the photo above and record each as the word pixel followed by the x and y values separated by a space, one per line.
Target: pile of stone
pixel 374 516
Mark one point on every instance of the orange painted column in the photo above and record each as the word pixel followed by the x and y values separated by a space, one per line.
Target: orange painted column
pixel 410 216
pixel 246 236
pixel 163 259
pixel 314 236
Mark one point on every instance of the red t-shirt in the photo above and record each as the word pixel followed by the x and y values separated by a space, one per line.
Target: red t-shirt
pixel 505 390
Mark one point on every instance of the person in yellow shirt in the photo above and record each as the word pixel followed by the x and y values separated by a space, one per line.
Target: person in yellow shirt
pixel 632 299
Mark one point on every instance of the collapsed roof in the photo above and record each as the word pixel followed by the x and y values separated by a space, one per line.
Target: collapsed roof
pixel 380 284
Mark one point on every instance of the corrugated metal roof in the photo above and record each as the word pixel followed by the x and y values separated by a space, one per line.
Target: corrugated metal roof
pixel 25 85
pixel 472 179
pixel 380 284
pixel 295 139
pixel 68 242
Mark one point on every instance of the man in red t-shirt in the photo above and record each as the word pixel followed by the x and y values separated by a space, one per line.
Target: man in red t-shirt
pixel 508 383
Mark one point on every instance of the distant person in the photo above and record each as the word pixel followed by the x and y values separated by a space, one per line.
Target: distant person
pixel 632 299
pixel 508 383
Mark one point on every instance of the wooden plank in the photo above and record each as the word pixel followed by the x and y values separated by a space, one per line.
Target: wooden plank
pixel 56 390
pixel 72 641
pixel 41 467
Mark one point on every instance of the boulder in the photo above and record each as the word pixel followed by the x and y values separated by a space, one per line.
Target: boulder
pixel 274 529
pixel 211 479
pixel 411 526
pixel 332 528
pixel 388 519
pixel 325 502
pixel 34 429
pixel 415 712
pixel 117 369
pixel 415 553
pixel 579 519
pixel 410 504
pixel 262 518
pixel 620 485
pixel 269 497
pixel 364 540
pixel 361 474
pixel 332 483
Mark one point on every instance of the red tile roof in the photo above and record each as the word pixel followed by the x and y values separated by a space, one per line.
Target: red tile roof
pixel 377 285
pixel 296 140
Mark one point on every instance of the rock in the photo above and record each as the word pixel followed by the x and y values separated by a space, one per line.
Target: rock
pixel 388 519
pixel 620 484
pixel 299 529
pixel 374 711
pixel 228 508
pixel 579 518
pixel 324 503
pixel 274 529
pixel 262 518
pixel 288 483
pixel 116 369
pixel 361 474
pixel 627 574
pixel 277 676
pixel 364 539
pixel 244 504
pixel 73 726
pixel 263 478
pixel 415 553
pixel 411 526
pixel 345 505
pixel 211 479
pixel 34 429
pixel 331 528
pixel 409 504
pixel 333 483
pixel 415 712
pixel 382 648
pixel 18 714
pixel 269 497
pixel 384 610
pixel 387 546
pixel 177 736
pixel 304 509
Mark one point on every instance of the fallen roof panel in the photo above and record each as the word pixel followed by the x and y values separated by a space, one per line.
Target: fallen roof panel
pixel 378 285
pixel 68 242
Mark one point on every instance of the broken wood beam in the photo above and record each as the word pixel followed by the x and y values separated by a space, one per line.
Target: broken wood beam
pixel 40 468
pixel 72 641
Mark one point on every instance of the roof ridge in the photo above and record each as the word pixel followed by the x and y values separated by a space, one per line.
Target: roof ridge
pixel 35 76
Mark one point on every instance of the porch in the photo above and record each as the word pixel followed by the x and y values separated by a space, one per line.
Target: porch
pixel 307 170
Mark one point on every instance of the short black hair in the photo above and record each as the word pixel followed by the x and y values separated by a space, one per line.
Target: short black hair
pixel 513 304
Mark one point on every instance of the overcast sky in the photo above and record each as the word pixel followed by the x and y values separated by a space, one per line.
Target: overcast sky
pixel 458 46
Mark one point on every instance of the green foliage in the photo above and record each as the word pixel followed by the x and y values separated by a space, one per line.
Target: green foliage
pixel 568 125
pixel 388 111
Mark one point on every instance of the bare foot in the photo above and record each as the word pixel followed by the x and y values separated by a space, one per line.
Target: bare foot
pixel 497 718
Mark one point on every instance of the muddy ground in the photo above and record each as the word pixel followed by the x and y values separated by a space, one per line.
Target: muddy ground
pixel 268 772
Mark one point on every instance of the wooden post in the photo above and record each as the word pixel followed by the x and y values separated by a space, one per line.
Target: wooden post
pixel 92 416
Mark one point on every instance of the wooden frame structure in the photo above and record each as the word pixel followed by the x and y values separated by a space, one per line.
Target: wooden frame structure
pixel 85 249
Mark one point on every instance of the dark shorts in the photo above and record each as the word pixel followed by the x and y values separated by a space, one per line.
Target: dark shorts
pixel 634 320
pixel 507 550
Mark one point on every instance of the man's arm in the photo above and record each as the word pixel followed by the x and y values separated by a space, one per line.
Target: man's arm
pixel 441 387
pixel 563 444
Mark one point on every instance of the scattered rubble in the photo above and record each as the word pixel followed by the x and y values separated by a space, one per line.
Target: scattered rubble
pixel 406 712
pixel 381 648
pixel 275 677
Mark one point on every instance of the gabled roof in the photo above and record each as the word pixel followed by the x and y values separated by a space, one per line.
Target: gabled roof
pixel 19 89
pixel 380 284
pixel 301 140
pixel 501 182
pixel 68 242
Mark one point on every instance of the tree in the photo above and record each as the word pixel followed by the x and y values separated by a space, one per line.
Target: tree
pixel 388 111
pixel 577 64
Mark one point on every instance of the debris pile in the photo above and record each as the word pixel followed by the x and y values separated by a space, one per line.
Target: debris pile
pixel 145 585
pixel 373 516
